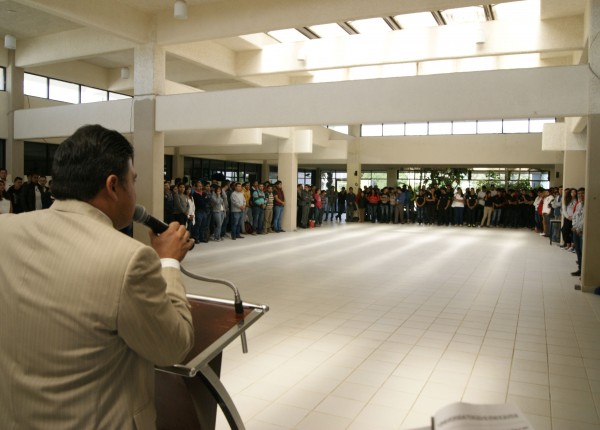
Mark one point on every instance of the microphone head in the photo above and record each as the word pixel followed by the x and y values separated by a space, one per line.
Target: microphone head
pixel 140 214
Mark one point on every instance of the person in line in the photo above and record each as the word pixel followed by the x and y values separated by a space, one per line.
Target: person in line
pixel 569 201
pixel 258 209
pixel 578 225
pixel 217 205
pixel 269 201
pixel 278 207
pixel 238 209
pixel 5 203
pixel 81 332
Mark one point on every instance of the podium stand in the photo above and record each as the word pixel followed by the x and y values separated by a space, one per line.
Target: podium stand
pixel 187 394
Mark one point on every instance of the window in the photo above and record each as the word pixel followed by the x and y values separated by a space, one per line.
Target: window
pixel 370 178
pixel 38 157
pixel 287 35
pixel 438 128
pixel 36 86
pixel 489 127
pixel 393 129
pixel 305 176
pixel 117 96
pixel 416 129
pixel 464 127
pixel 2 152
pixel 371 130
pixel 515 126
pixel 91 95
pixel 63 91
pixel 205 169
pixel 339 128
pixel 537 125
pixel 2 78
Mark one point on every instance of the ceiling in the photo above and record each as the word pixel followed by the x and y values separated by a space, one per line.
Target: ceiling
pixel 203 52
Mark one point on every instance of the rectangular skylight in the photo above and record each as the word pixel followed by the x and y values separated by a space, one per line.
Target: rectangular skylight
pixel 288 35
pixel 370 26
pixel 328 30
pixel 464 15
pixel 517 10
pixel 416 20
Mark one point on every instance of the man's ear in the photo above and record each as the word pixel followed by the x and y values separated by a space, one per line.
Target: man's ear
pixel 111 186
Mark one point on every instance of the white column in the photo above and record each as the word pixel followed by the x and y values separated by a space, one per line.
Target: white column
pixel 15 152
pixel 149 80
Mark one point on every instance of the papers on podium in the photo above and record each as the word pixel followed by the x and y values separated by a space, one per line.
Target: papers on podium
pixel 469 416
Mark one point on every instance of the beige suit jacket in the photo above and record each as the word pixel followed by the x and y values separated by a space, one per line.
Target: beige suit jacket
pixel 85 313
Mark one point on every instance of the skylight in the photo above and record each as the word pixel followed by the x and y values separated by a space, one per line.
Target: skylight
pixel 328 30
pixel 416 20
pixel 370 26
pixel 464 15
pixel 288 35
pixel 526 9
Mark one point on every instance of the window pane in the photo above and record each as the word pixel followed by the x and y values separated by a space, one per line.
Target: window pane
pixel 464 127
pixel 371 130
pixel 537 125
pixel 437 128
pixel 393 129
pixel 489 127
pixel 416 20
pixel 464 14
pixel 287 35
pixel 371 26
pixel 117 96
pixel 36 86
pixel 416 129
pixel 328 30
pixel 339 128
pixel 2 79
pixel 91 95
pixel 515 126
pixel 64 91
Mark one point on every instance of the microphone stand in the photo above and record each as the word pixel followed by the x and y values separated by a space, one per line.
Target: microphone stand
pixel 238 304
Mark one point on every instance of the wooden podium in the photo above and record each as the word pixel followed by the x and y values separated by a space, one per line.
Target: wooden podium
pixel 187 394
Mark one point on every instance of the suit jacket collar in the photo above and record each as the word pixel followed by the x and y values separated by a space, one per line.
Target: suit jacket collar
pixel 81 208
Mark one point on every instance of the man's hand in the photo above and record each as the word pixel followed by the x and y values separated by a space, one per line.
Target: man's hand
pixel 173 243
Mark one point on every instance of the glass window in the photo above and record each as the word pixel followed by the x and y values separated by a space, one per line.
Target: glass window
pixel 36 86
pixel 393 129
pixel 288 35
pixel 537 125
pixel 328 30
pixel 438 128
pixel 117 96
pixel 2 152
pixel 63 91
pixel 416 129
pixel 515 126
pixel 2 79
pixel 416 20
pixel 339 128
pixel 489 127
pixel 464 15
pixel 370 26
pixel 464 127
pixel 371 130
pixel 91 95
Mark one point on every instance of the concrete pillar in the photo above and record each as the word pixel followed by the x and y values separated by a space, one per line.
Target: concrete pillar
pixel 353 165
pixel 574 169
pixel 149 81
pixel 591 233
pixel 264 172
pixel 392 178
pixel 15 149
pixel 287 173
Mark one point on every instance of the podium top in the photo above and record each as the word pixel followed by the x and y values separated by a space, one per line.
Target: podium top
pixel 216 325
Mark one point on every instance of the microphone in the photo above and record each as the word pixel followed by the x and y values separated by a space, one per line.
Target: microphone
pixel 142 216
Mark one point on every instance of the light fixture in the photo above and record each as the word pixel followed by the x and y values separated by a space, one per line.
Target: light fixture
pixel 10 42
pixel 479 36
pixel 180 9
pixel 124 72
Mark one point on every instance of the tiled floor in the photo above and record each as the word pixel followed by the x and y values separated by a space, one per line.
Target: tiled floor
pixel 377 326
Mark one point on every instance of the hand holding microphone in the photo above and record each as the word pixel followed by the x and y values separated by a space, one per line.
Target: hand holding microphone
pixel 169 241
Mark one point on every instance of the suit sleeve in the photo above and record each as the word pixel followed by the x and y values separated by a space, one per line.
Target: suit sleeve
pixel 153 314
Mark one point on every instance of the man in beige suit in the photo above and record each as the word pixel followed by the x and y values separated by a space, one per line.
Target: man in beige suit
pixel 86 311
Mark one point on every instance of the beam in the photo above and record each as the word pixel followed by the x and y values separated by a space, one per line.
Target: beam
pixel 523 93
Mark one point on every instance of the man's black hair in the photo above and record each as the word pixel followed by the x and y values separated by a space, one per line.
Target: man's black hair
pixel 84 161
